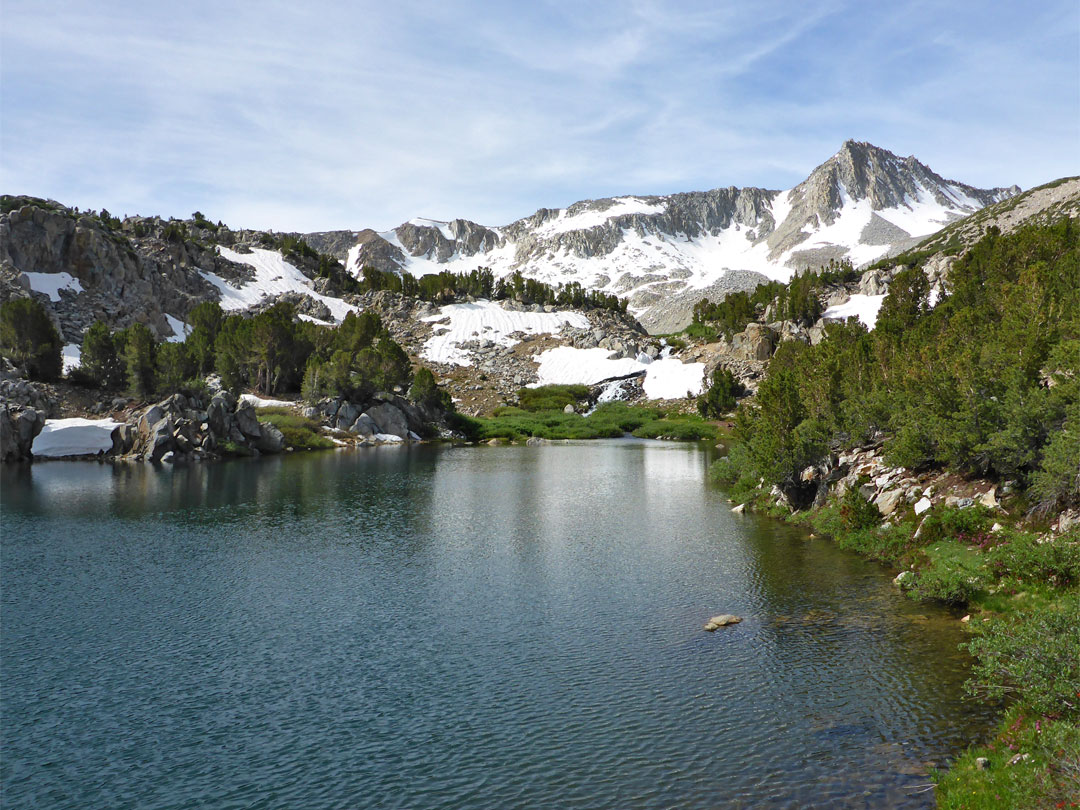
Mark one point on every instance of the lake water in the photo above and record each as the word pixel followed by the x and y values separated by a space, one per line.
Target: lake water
pixel 508 627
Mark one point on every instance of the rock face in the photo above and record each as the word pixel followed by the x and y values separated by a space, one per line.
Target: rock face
pixel 124 276
pixel 18 428
pixel 389 419
pixel 667 252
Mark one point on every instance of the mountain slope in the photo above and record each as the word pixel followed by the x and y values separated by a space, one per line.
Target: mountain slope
pixel 665 253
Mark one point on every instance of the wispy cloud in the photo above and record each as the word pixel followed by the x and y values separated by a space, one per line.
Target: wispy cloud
pixel 354 115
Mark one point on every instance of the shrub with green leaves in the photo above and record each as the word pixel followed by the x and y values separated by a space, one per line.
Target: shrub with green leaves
pixel 1022 556
pixel 1034 657
pixel 721 394
pixel 299 431
pixel 941 582
pixel 952 523
pixel 100 358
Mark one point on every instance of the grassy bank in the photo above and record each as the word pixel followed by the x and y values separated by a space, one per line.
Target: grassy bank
pixel 538 417
pixel 300 432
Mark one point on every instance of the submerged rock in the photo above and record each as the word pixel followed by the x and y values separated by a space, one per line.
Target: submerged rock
pixel 722 620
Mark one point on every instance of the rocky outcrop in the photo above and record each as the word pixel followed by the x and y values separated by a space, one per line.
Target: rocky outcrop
pixel 124 274
pixel 184 428
pixel 24 407
pixel 19 425
pixel 386 417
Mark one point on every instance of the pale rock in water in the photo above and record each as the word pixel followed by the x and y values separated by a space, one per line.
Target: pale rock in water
pixel 722 620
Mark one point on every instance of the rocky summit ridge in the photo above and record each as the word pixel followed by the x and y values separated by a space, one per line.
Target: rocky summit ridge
pixel 665 253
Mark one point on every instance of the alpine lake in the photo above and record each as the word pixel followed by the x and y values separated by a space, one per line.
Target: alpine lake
pixel 454 627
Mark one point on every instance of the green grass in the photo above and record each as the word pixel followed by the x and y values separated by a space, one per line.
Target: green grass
pixel 551 397
pixel 1049 777
pixel 610 420
pixel 300 432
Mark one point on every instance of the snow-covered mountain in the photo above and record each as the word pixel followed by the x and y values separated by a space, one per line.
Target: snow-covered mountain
pixel 665 253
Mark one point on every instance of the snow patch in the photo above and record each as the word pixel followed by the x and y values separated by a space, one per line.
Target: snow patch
pixel 52 283
pixel 584 220
pixel 180 330
pixel 666 378
pixel 72 355
pixel 74 437
pixel 273 276
pixel 259 402
pixel 863 307
pixel 566 365
pixel 670 378
pixel 486 320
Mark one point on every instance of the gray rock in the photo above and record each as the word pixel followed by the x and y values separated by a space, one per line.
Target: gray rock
pixel 247 422
pixel 364 426
pixel 757 342
pixel 18 429
pixel 346 416
pixel 151 416
pixel 270 440
pixel 160 440
pixel 389 419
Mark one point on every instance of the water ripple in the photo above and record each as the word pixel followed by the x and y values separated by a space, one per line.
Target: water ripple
pixel 453 629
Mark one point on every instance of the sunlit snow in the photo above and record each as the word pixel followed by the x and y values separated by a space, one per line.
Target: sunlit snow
pixel 52 283
pixel 273 276
pixel 666 378
pixel 72 355
pixel 863 307
pixel 74 437
pixel 486 320
pixel 180 329
pixel 621 206
pixel 259 402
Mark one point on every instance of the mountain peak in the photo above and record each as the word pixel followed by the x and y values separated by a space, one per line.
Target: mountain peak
pixel 858 205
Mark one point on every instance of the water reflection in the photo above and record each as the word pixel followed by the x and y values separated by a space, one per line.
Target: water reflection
pixel 452 627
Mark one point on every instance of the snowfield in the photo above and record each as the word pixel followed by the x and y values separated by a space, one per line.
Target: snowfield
pixel 639 260
pixel 665 378
pixel 487 320
pixel 273 276
pixel 590 219
pixel 863 307
pixel 74 437
pixel 72 355
pixel 52 283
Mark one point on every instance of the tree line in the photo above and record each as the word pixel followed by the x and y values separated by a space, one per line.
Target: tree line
pixel 799 300
pixel 273 352
pixel 987 382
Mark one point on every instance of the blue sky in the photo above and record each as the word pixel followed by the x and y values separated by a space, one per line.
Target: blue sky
pixel 346 115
